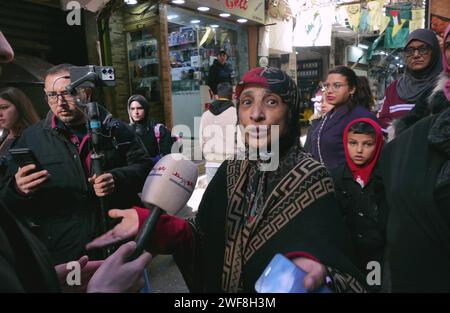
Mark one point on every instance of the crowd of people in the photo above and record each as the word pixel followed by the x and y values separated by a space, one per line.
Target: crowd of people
pixel 349 198
pixel 48 216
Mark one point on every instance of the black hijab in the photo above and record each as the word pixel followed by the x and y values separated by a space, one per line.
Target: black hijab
pixel 143 102
pixel 143 128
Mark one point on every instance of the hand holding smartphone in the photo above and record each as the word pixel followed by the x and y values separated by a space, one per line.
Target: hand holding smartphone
pixel 28 181
pixel 283 276
pixel 24 157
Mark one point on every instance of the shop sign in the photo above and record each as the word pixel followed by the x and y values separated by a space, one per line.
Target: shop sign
pixel 252 10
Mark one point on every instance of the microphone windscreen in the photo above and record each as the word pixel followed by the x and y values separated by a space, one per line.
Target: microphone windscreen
pixel 170 183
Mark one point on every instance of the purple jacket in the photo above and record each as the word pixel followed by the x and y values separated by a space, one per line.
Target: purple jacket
pixel 328 135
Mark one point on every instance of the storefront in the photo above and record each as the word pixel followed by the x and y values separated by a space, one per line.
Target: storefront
pixel 194 42
pixel 197 32
pixel 163 51
pixel 144 66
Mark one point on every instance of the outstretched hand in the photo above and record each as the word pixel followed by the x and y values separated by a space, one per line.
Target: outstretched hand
pixel 126 229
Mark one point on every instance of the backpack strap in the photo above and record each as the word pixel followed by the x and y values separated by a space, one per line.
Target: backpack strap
pixel 157 132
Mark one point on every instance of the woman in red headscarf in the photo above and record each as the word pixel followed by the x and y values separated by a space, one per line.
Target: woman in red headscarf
pixel 359 190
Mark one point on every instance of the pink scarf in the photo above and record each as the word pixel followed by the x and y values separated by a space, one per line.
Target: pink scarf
pixel 446 66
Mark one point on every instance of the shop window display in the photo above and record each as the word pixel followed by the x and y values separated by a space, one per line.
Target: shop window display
pixel 192 49
pixel 309 75
pixel 144 64
pixel 194 42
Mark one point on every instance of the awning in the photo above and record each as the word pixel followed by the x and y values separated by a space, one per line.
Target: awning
pixel 24 69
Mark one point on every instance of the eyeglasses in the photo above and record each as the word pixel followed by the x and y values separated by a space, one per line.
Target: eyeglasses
pixel 410 51
pixel 64 96
pixel 334 87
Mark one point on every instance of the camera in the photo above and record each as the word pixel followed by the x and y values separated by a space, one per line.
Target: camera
pixel 91 76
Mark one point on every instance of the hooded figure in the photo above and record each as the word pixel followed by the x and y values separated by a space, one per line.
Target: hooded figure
pixel 143 128
pixel 360 192
pixel 157 138
pixel 247 214
pixel 414 85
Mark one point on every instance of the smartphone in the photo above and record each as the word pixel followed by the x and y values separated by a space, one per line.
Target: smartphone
pixel 283 276
pixel 24 157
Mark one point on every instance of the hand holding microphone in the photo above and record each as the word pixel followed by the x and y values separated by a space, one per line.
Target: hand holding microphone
pixel 168 187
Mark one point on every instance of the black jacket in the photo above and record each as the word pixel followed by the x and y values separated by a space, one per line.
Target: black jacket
pixel 146 134
pixel 64 211
pixel 365 213
pixel 25 265
pixel 219 73
pixel 418 232
pixel 156 147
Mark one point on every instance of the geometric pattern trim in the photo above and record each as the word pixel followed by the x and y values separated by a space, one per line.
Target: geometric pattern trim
pixel 307 182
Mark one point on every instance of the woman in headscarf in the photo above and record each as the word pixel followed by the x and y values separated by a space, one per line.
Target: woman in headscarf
pixel 138 109
pixel 423 65
pixel 156 138
pixel 416 174
pixel 249 214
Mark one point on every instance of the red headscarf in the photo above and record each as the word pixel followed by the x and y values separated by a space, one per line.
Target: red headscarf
pixel 361 174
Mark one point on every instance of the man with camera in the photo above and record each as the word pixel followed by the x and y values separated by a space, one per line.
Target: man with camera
pixel 60 202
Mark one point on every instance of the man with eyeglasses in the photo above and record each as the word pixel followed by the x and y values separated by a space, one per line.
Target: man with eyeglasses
pixel 423 65
pixel 66 191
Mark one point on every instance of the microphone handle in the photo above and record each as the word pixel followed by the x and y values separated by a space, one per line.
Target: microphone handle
pixel 145 233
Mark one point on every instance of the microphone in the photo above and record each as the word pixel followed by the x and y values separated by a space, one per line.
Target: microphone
pixel 168 187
